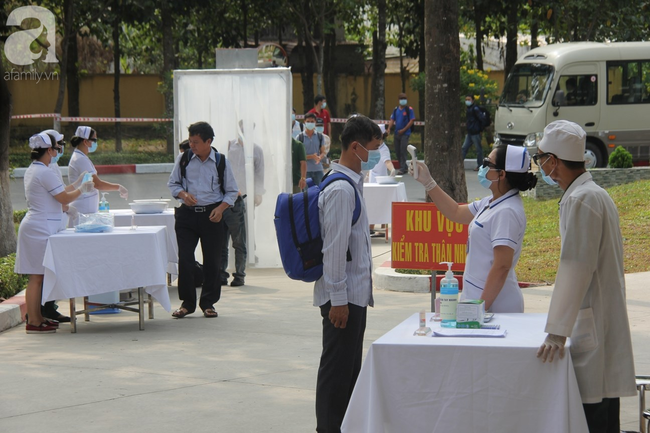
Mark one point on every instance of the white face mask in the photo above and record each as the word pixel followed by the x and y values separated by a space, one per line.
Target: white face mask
pixel 324 105
pixel 310 125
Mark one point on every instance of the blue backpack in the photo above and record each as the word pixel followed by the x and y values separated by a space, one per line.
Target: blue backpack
pixel 297 228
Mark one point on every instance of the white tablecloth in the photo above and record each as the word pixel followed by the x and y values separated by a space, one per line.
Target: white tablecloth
pixel 440 384
pixel 379 200
pixel 83 264
pixel 123 219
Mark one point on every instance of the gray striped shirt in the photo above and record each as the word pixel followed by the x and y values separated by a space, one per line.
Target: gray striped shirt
pixel 344 282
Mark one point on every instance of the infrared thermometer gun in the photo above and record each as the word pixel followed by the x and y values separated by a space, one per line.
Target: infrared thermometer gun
pixel 414 159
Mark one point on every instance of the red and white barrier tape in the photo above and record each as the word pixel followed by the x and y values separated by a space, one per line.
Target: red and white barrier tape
pixel 147 119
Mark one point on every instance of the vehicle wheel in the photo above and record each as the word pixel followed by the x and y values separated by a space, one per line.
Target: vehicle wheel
pixel 593 156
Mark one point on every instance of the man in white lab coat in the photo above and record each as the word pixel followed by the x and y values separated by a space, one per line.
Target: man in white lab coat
pixel 588 302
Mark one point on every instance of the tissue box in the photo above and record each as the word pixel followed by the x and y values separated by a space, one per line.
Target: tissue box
pixel 470 313
pixel 95 223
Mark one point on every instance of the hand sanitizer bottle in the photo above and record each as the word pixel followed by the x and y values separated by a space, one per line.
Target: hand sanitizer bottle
pixel 103 204
pixel 448 298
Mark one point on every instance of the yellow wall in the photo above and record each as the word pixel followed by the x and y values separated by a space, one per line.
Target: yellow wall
pixel 139 97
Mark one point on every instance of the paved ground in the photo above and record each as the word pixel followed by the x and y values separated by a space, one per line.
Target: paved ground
pixel 251 369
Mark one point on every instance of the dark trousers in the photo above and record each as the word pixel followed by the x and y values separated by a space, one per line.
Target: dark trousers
pixel 604 417
pixel 340 364
pixel 191 227
pixel 234 219
pixel 400 144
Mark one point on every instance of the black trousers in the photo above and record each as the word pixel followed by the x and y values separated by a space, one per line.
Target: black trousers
pixel 191 227
pixel 604 417
pixel 340 364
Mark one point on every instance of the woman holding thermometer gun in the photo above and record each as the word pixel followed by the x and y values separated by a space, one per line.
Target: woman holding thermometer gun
pixel 496 226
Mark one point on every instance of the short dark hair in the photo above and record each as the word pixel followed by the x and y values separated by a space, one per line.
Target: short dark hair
pixel 470 96
pixel 202 129
pixel 521 181
pixel 319 98
pixel 359 128
pixel 310 116
pixel 184 145
pixel 76 141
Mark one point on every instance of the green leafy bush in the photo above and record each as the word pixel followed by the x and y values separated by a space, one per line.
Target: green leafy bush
pixel 620 158
pixel 19 215
pixel 10 282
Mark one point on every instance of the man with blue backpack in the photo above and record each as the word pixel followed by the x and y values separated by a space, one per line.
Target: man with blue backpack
pixel 403 117
pixel 475 122
pixel 344 291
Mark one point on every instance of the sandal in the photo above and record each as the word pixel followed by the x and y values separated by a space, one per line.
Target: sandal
pixel 210 312
pixel 180 313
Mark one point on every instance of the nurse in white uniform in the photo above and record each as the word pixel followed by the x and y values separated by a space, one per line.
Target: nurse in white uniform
pixel 496 227
pixel 46 196
pixel 85 142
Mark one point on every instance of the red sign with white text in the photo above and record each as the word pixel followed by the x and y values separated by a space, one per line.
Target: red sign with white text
pixel 423 237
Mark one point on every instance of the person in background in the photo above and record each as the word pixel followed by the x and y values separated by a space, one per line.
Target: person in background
pixel 46 194
pixel 383 168
pixel 473 124
pixel 497 224
pixel 298 165
pixel 320 103
pixel 314 148
pixel 85 142
pixel 183 146
pixel 327 141
pixel 204 198
pixel 344 291
pixel 588 302
pixel 403 117
pixel 296 126
pixel 234 218
pixel 49 309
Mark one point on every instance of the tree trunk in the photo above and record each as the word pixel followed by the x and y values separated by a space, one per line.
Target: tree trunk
pixel 478 23
pixel 73 80
pixel 244 13
pixel 320 55
pixel 379 62
pixel 511 41
pixel 116 83
pixel 442 144
pixel 422 64
pixel 68 15
pixel 330 73
pixel 7 232
pixel 534 31
pixel 168 70
pixel 307 75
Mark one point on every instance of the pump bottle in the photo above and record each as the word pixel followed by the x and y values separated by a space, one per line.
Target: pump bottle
pixel 103 204
pixel 448 297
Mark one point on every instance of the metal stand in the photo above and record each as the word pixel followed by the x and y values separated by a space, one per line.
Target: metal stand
pixel 642 385
pixel 93 306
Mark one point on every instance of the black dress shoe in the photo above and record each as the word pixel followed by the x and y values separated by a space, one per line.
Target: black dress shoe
pixel 58 317
pixel 237 282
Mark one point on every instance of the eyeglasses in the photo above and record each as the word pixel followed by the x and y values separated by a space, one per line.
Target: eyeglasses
pixel 537 156
pixel 92 139
pixel 58 149
pixel 490 164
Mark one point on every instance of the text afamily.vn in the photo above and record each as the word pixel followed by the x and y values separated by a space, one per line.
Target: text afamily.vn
pixel 17 75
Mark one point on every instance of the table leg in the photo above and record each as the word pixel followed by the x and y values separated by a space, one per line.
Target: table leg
pixel 641 389
pixel 386 238
pixel 150 302
pixel 169 279
pixel 86 315
pixel 141 307
pixel 73 316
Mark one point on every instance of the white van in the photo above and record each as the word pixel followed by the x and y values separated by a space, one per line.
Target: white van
pixel 603 87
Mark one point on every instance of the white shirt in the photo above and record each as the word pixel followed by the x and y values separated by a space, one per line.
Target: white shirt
pixel 237 158
pixel 344 282
pixel 380 169
pixel 500 222
pixel 588 302
pixel 79 162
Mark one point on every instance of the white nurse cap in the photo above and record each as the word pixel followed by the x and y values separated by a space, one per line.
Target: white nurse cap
pixel 54 133
pixel 382 127
pixel 40 141
pixel 564 139
pixel 83 132
pixel 517 159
